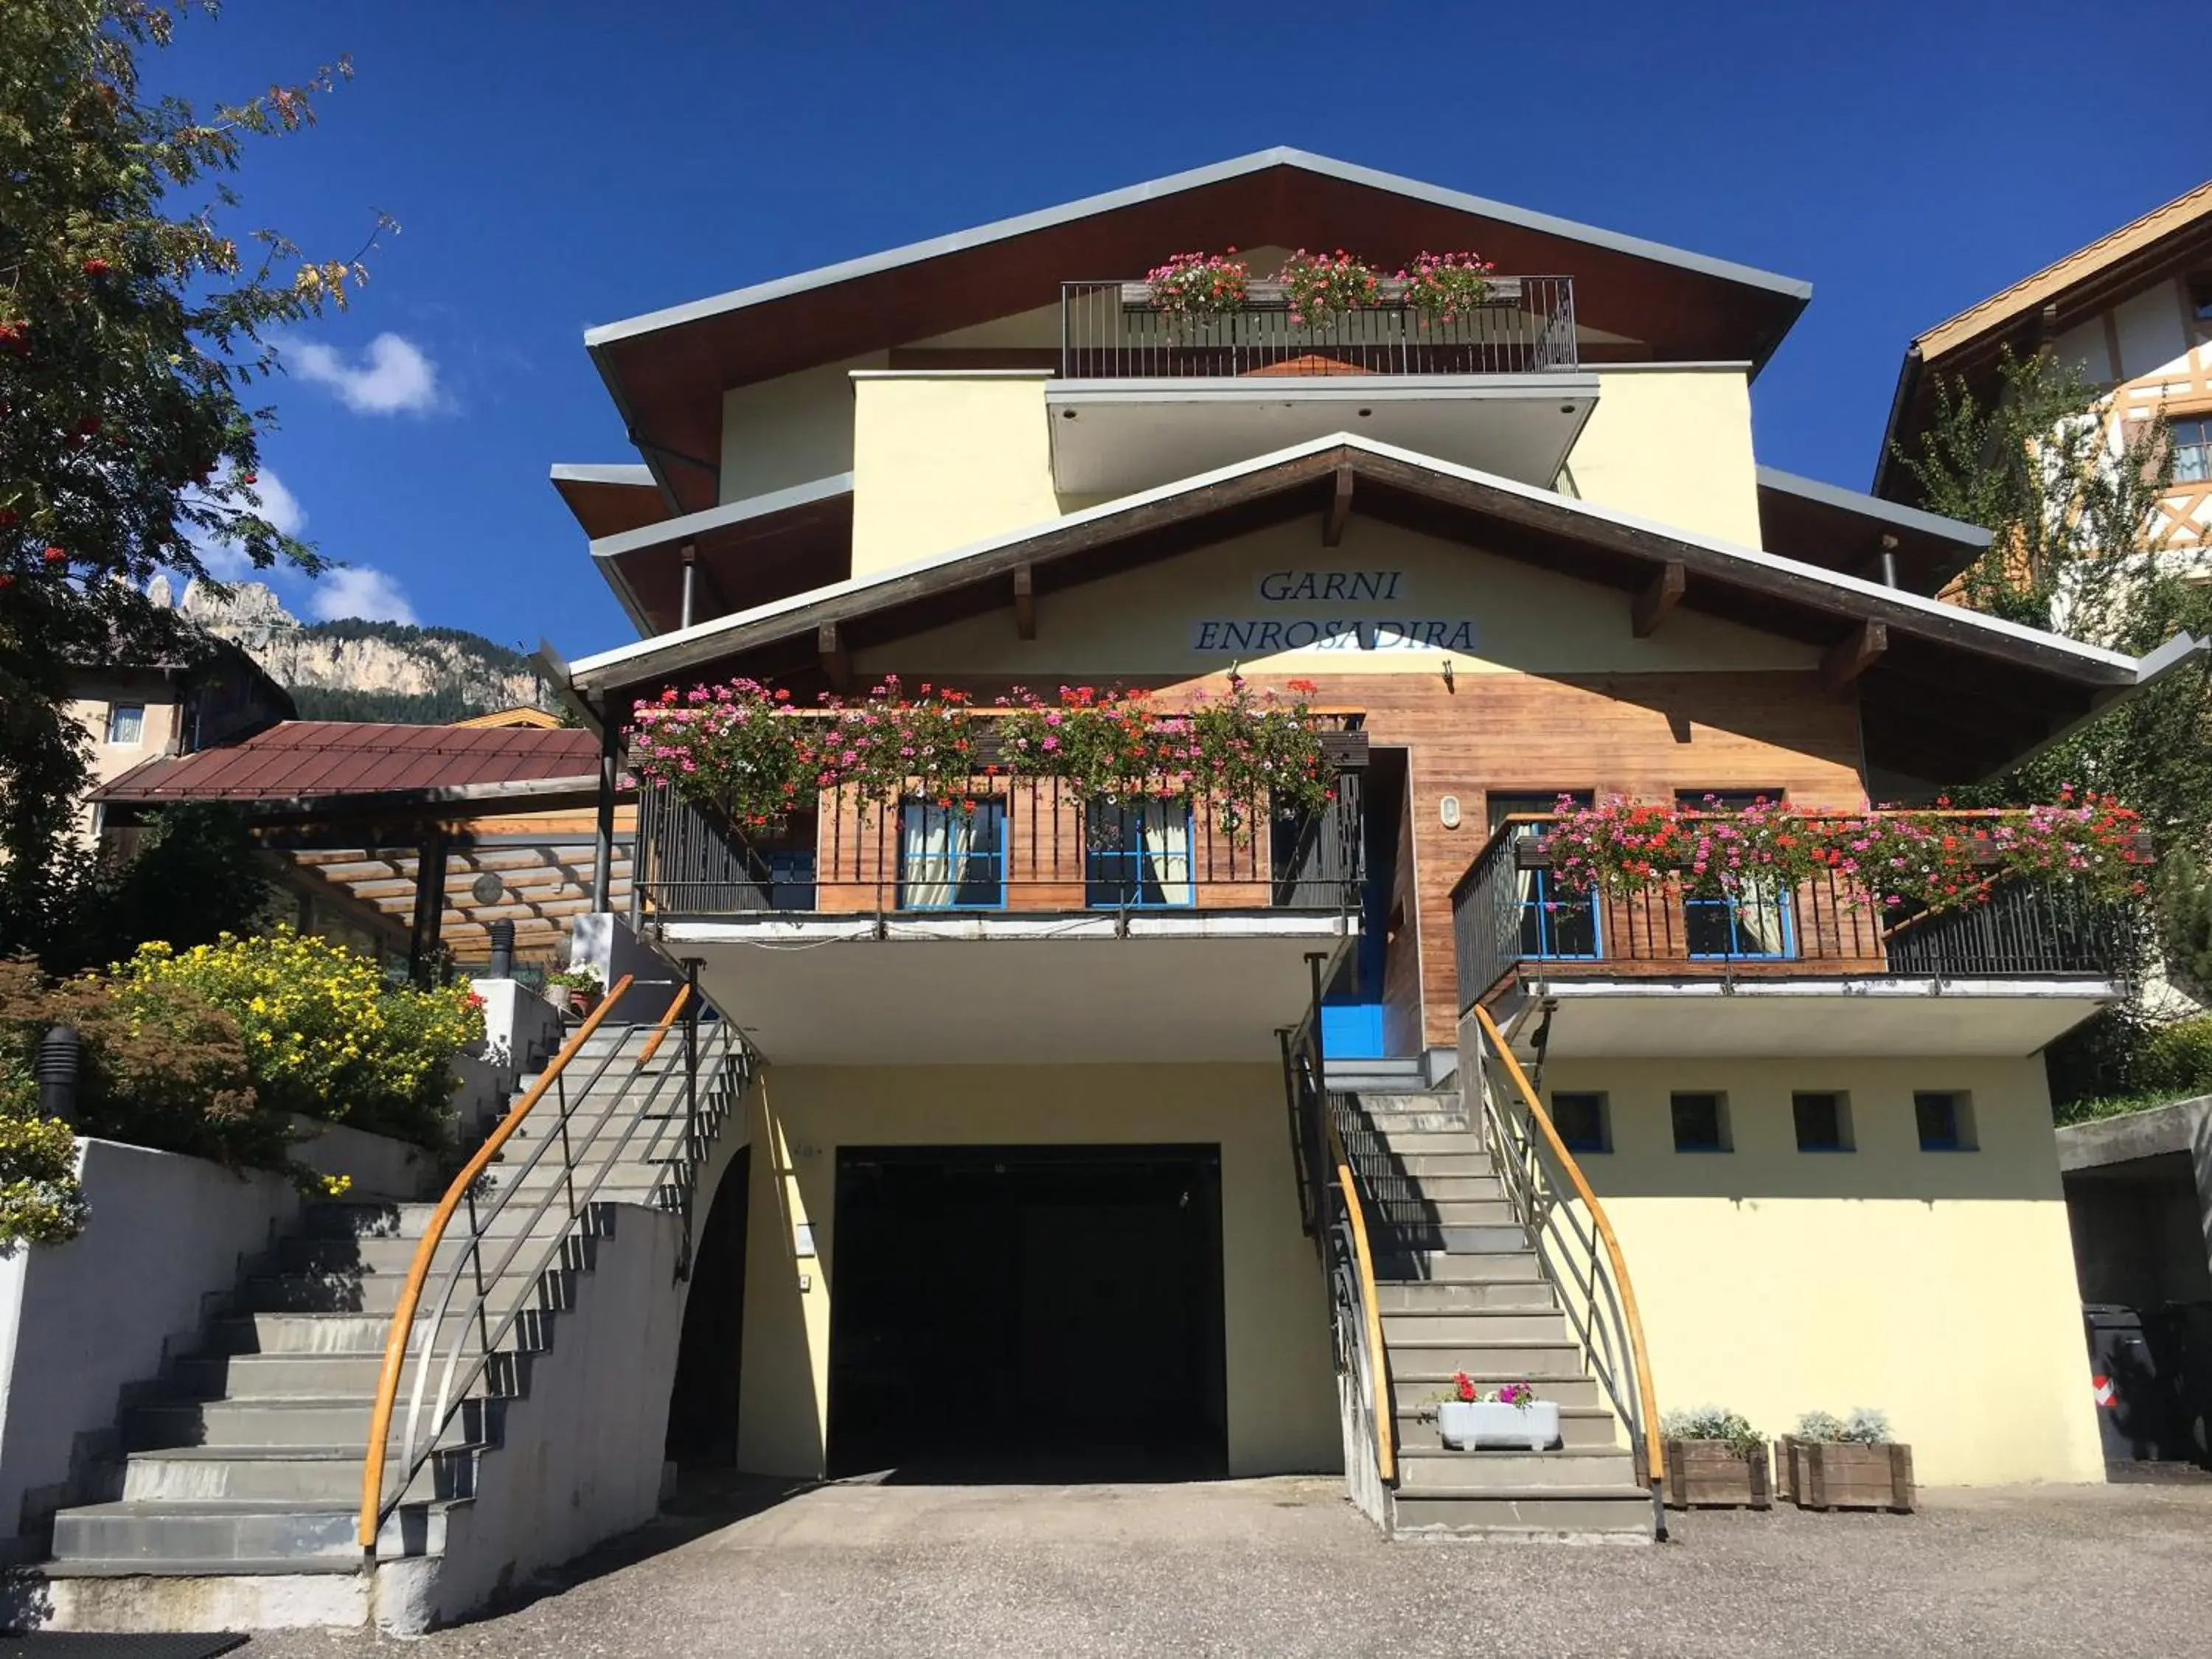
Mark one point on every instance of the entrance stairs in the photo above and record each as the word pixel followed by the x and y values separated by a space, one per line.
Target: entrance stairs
pixel 1462 1289
pixel 239 1474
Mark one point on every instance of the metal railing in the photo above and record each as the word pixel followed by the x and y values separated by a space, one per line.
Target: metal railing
pixel 1568 1229
pixel 1111 330
pixel 1018 846
pixel 540 1225
pixel 1507 909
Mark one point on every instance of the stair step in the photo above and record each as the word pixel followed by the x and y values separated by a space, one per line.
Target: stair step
pixel 382 1257
pixel 379 1293
pixel 1537 1360
pixel 1512 1260
pixel 1424 1167
pixel 254 1423
pixel 341 1333
pixel 1445 1237
pixel 1417 1142
pixel 1417 1381
pixel 289 1474
pixel 1623 1515
pixel 1419 1296
pixel 208 1530
pixel 1580 1425
pixel 1434 1467
pixel 251 1377
pixel 1475 1325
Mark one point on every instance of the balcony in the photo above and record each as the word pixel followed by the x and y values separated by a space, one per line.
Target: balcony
pixel 1820 968
pixel 1145 396
pixel 1025 926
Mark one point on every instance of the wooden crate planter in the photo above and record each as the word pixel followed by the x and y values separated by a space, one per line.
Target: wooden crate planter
pixel 1711 1474
pixel 1842 1474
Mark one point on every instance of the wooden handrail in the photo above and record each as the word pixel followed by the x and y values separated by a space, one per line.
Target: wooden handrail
pixel 660 1031
pixel 1386 1439
pixel 411 1293
pixel 1655 1459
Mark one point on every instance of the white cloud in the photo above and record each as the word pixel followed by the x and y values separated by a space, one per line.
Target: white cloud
pixel 393 376
pixel 360 591
pixel 224 561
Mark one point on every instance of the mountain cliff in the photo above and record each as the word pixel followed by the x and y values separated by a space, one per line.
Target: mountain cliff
pixel 352 670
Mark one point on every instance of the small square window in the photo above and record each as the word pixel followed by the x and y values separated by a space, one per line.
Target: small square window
pixel 1700 1122
pixel 126 723
pixel 1823 1121
pixel 1946 1121
pixel 2192 450
pixel 2200 298
pixel 1581 1121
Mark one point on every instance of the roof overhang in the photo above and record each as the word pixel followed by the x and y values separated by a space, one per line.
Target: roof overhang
pixel 1952 695
pixel 667 370
pixel 745 553
pixel 1840 529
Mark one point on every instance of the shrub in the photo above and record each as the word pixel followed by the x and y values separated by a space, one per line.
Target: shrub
pixel 1712 1423
pixel 40 1202
pixel 1865 1426
pixel 325 1035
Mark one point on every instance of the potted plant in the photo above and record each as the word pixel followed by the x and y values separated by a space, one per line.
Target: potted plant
pixel 1199 285
pixel 578 987
pixel 1443 286
pixel 1507 1418
pixel 1715 1460
pixel 1835 1463
pixel 1321 287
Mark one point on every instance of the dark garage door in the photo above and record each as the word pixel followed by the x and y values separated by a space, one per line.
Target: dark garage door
pixel 1028 1313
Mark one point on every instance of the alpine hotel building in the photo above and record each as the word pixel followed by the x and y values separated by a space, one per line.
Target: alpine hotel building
pixel 1050 1165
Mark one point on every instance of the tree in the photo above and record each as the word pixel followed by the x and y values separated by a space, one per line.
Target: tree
pixel 133 329
pixel 2076 549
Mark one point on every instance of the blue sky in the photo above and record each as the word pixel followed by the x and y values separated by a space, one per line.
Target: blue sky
pixel 568 163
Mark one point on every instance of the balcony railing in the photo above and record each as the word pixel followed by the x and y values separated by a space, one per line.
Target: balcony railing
pixel 1012 846
pixel 1510 915
pixel 1113 331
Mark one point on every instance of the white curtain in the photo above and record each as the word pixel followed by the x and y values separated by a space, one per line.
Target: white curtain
pixel 1762 927
pixel 935 845
pixel 1165 839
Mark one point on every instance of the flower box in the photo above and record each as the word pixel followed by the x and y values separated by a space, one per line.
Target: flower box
pixel 1845 1474
pixel 1473 1424
pixel 1717 1475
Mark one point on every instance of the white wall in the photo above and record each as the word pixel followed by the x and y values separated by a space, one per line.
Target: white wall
pixel 79 1321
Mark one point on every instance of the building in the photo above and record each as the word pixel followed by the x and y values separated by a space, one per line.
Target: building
pixel 2132 311
pixel 1531 555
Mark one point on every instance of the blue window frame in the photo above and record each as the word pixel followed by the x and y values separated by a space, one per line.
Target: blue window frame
pixel 952 858
pixel 2192 450
pixel 1555 926
pixel 1137 855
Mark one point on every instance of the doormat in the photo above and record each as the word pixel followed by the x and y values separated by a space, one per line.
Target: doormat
pixel 92 1644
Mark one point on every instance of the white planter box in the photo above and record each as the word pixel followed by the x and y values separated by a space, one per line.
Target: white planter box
pixel 1468 1425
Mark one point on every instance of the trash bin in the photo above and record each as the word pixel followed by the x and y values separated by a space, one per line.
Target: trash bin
pixel 2180 1336
pixel 2132 1407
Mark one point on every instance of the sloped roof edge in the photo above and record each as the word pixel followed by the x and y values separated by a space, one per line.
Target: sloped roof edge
pixel 1874 507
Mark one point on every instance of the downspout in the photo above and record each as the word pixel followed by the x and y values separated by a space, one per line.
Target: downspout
pixel 691 582
pixel 604 841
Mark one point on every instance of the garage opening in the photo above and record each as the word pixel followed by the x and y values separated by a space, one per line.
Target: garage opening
pixel 1028 1313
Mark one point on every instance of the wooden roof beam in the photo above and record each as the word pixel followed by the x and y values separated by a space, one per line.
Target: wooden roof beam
pixel 836 657
pixel 1025 601
pixel 1843 663
pixel 1659 597
pixel 1339 506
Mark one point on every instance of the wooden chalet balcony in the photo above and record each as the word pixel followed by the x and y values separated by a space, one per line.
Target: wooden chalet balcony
pixel 1514 924
pixel 1111 330
pixel 1014 847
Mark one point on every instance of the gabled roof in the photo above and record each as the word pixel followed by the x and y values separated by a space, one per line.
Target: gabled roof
pixel 668 369
pixel 1951 694
pixel 1840 529
pixel 2035 310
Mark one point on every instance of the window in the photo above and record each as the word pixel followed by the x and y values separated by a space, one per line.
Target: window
pixel 1945 1119
pixel 1581 1121
pixel 952 858
pixel 1137 855
pixel 2192 450
pixel 2200 298
pixel 1823 1121
pixel 126 723
pixel 1554 925
pixel 1754 922
pixel 1700 1122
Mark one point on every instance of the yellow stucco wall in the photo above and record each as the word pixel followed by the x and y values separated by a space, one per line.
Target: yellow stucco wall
pixel 790 430
pixel 1520 618
pixel 942 459
pixel 1937 1286
pixel 1281 1395
pixel 1672 444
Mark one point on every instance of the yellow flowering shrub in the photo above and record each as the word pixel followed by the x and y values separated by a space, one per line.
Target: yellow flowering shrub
pixel 40 1202
pixel 325 1035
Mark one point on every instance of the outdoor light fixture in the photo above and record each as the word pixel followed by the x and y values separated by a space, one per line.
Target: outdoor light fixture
pixel 487 888
pixel 1448 811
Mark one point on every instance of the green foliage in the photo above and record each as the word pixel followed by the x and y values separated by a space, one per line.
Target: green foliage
pixel 324 1034
pixel 132 329
pixel 2123 1062
pixel 40 1202
pixel 196 877
pixel 1713 1423
pixel 1865 1426
pixel 442 706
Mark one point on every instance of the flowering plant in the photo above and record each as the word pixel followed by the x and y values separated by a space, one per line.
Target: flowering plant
pixel 1322 286
pixel 1921 860
pixel 1732 1429
pixel 889 746
pixel 1440 286
pixel 724 744
pixel 1866 1426
pixel 1466 1392
pixel 1199 284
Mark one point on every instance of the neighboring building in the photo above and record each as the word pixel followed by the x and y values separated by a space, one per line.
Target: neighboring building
pixel 986 460
pixel 2132 311
pixel 136 712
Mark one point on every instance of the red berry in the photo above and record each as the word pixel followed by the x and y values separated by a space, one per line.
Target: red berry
pixel 56 555
pixel 96 267
pixel 249 479
pixel 7 581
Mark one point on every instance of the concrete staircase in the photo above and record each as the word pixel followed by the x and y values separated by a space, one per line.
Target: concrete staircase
pixel 240 1479
pixel 1461 1290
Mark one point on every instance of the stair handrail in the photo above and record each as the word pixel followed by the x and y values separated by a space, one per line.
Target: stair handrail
pixel 1363 1265
pixel 1527 1163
